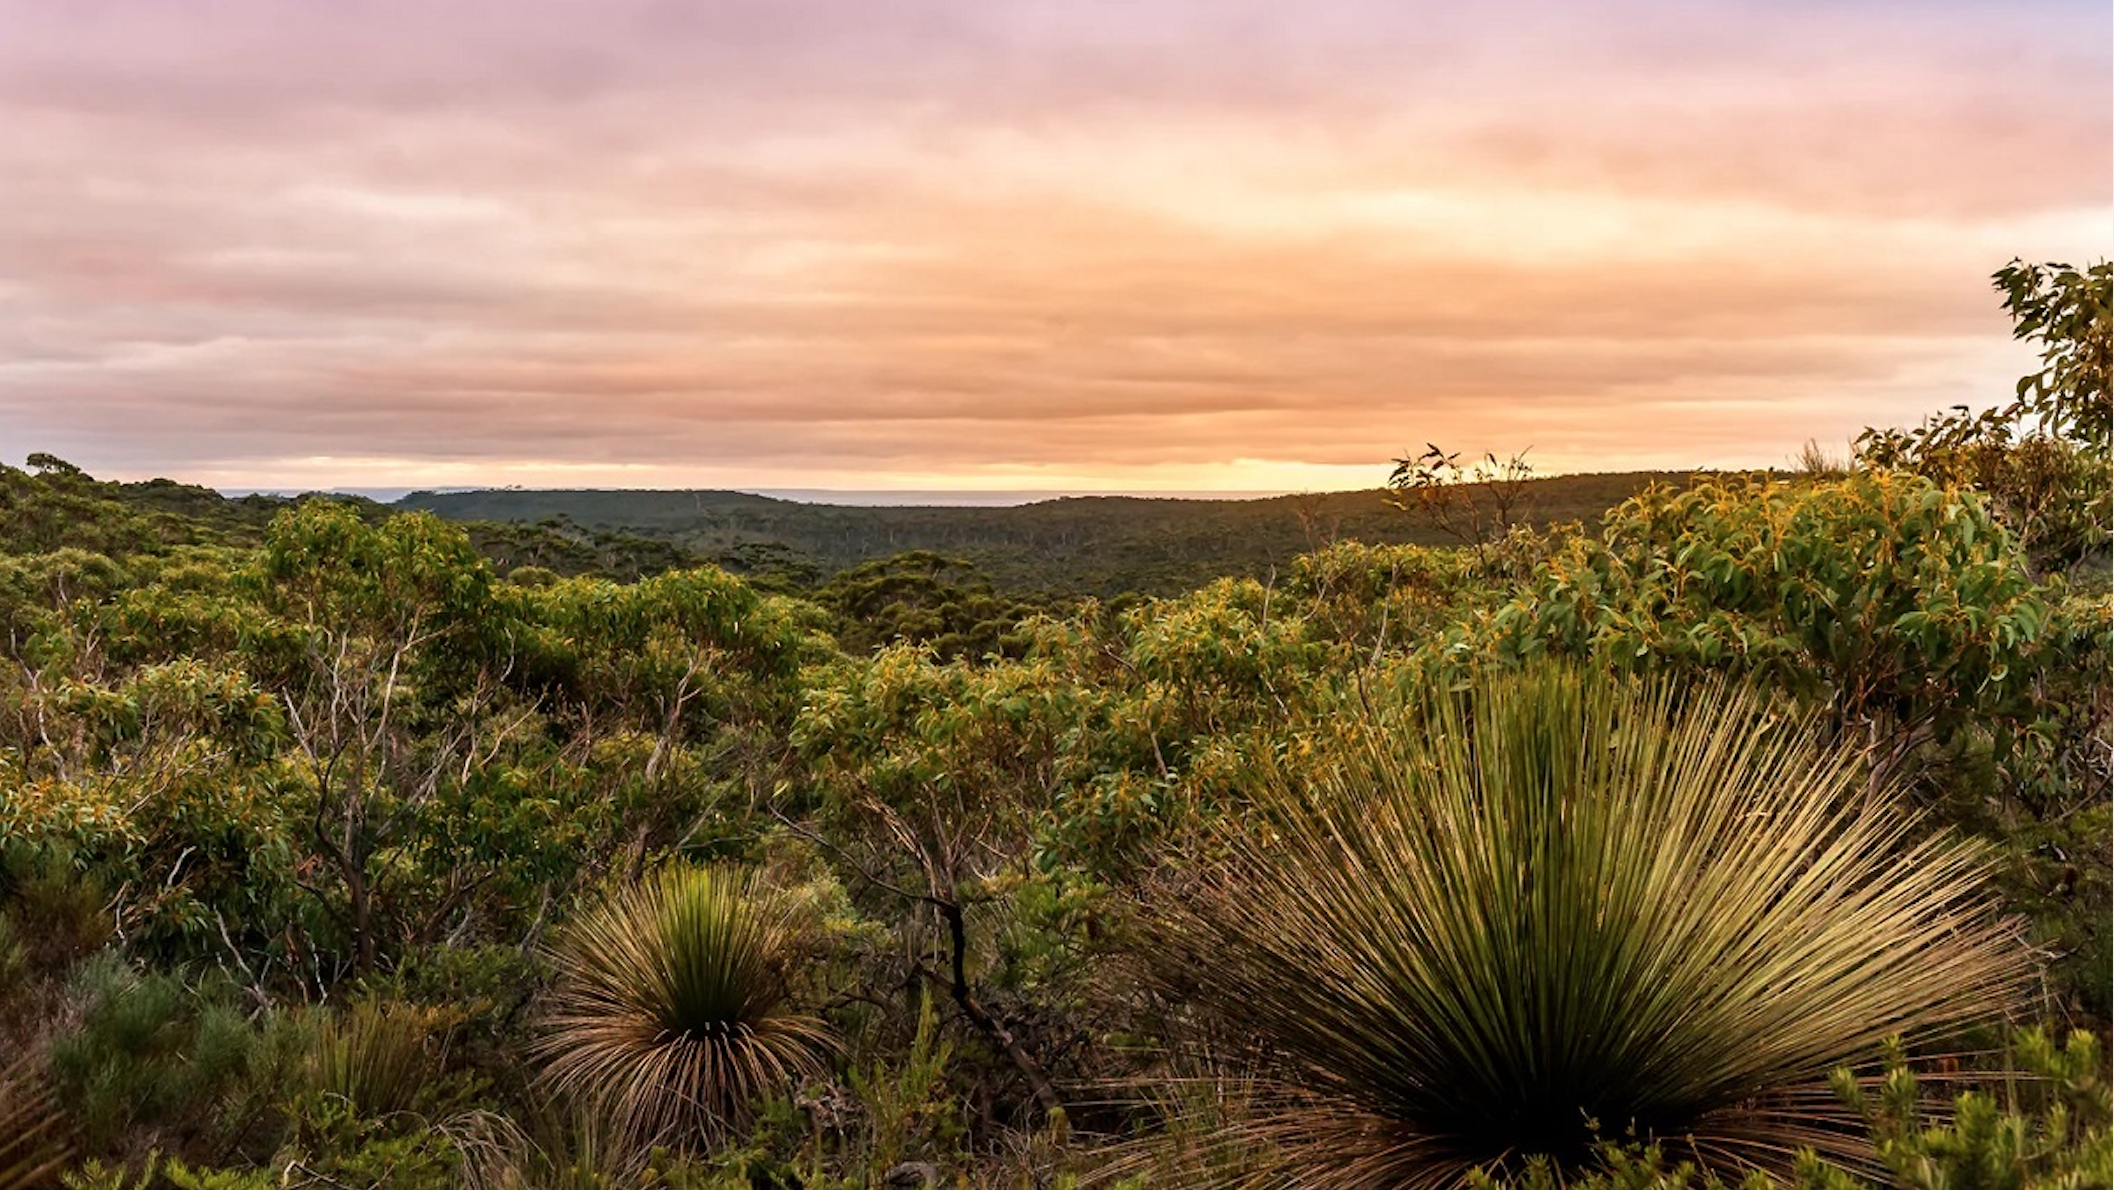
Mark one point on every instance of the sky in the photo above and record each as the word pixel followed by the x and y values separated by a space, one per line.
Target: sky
pixel 1060 245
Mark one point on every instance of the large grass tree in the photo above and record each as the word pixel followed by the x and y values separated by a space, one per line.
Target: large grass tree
pixel 1557 907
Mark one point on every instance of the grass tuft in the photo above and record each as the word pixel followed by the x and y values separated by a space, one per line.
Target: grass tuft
pixel 379 1057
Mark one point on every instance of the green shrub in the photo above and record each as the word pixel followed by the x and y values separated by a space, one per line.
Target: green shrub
pixel 157 1172
pixel 910 1113
pixel 159 1062
pixel 60 914
pixel 2044 1128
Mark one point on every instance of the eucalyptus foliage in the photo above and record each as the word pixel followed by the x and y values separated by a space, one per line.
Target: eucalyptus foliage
pixel 1901 600
pixel 1563 905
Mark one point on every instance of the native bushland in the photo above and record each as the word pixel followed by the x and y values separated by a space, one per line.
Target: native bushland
pixel 348 846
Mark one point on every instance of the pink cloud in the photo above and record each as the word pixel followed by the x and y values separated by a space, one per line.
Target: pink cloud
pixel 833 238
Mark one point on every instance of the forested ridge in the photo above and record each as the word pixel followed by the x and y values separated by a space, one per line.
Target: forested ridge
pixel 1104 546
pixel 1734 829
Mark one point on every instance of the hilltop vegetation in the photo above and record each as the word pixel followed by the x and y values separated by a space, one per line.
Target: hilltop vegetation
pixel 1040 555
pixel 1102 546
pixel 51 504
pixel 1755 832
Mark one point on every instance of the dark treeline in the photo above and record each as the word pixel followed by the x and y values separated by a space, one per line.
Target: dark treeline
pixel 1102 546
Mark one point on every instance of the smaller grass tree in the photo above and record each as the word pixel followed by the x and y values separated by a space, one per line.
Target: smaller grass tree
pixel 378 1058
pixel 672 1011
pixel 34 1140
pixel 1564 906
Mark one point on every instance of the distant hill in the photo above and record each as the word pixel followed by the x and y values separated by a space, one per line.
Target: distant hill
pixel 1101 545
pixel 1045 551
pixel 52 505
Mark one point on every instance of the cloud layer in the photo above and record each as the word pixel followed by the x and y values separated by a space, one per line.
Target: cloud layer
pixel 1178 244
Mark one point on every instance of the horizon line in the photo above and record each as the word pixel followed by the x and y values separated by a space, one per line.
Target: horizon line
pixel 393 494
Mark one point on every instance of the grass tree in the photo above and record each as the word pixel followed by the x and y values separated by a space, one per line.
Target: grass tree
pixel 672 1008
pixel 34 1144
pixel 377 1058
pixel 1564 906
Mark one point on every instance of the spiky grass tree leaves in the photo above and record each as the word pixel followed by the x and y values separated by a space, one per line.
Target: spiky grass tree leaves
pixel 1565 905
pixel 35 1142
pixel 671 1012
pixel 378 1057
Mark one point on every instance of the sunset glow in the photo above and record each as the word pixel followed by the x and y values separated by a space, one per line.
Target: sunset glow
pixel 1168 245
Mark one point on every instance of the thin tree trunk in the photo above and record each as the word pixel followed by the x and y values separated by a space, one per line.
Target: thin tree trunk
pixel 1038 1082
